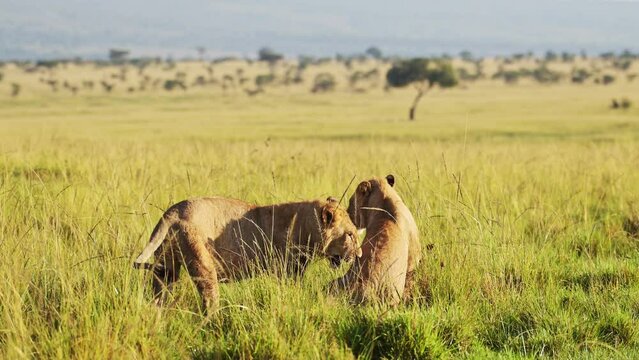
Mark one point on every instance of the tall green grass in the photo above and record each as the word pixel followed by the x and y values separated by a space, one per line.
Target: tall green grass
pixel 525 218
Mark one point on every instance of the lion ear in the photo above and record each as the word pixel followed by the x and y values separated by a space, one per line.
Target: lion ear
pixel 391 179
pixel 328 213
pixel 364 187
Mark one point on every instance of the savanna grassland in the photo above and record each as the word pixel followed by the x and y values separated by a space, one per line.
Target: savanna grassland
pixel 526 197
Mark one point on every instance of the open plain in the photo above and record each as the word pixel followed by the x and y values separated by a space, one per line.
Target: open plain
pixel 526 197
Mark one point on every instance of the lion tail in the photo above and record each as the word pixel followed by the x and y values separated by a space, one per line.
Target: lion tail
pixel 157 238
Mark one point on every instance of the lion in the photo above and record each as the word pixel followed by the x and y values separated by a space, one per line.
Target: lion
pixel 220 239
pixel 391 250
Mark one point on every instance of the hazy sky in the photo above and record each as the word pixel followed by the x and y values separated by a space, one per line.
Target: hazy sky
pixel 65 28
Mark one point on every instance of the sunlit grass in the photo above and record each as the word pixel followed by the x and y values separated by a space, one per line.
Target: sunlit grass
pixel 524 196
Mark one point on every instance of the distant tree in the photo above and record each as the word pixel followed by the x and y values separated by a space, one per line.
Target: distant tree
pixel 550 56
pixel 374 52
pixel 228 81
pixel 607 79
pixel 511 76
pixel 49 64
pixel 466 56
pixel 293 75
pixel 624 103
pixel 15 89
pixel 199 81
pixel 268 55
pixel 323 82
pixel 209 71
pixel 354 78
pixel 631 77
pixel 1 76
pixel 118 55
pixel 372 77
pixel 579 76
pixel 171 84
pixel 627 54
pixel 608 55
pixel 544 75
pixel 348 62
pixel 358 77
pixel 424 74
pixel 223 59
pixel 264 79
pixel 464 74
pixel 622 64
pixel 614 104
pixel 53 84
pixel 253 92
pixel 106 86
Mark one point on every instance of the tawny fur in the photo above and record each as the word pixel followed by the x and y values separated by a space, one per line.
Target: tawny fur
pixel 391 250
pixel 219 239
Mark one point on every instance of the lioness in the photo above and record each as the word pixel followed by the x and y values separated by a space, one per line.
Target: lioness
pixel 220 239
pixel 390 251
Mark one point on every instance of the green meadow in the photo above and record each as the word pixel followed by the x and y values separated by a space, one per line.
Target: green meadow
pixel 526 197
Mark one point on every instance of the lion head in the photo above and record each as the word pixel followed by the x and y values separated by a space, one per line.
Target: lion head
pixel 368 199
pixel 339 234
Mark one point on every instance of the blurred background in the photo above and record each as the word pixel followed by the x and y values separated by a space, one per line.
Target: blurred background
pixel 35 29
pixel 511 128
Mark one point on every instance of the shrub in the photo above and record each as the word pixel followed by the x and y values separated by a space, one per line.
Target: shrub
pixel 579 76
pixel 15 89
pixel 396 336
pixel 171 84
pixel 264 79
pixel 607 79
pixel 323 82
pixel 545 76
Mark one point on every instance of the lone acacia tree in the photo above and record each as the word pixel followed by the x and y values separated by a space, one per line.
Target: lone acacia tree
pixel 424 74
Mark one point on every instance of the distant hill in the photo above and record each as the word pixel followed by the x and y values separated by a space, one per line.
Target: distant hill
pixel 67 28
